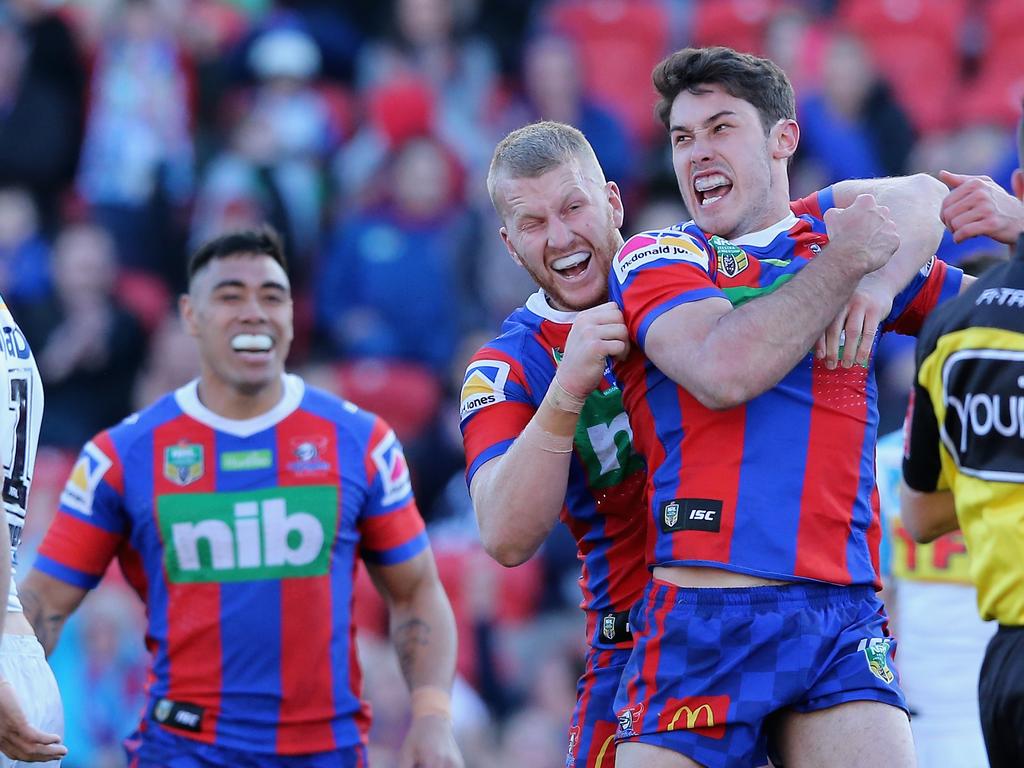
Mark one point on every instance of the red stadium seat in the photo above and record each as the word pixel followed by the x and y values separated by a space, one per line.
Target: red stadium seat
pixel 994 96
pixel 916 46
pixel 406 395
pixel 739 24
pixel 619 42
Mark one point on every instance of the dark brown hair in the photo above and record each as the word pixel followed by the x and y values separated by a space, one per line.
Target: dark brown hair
pixel 760 82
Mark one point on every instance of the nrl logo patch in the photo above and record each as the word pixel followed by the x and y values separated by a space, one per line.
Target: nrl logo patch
pixel 162 710
pixel 731 259
pixel 183 463
pixel 876 651
pixel 608 627
pixel 671 513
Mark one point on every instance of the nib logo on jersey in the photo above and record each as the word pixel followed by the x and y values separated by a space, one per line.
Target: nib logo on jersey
pixel 983 428
pixel 275 533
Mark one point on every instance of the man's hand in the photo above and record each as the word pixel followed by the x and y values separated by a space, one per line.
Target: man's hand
pixel 18 739
pixel 862 235
pixel 430 744
pixel 976 205
pixel 859 319
pixel 597 334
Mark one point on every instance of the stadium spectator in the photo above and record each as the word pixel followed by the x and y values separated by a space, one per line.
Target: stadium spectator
pixel 24 253
pixel 851 124
pixel 89 346
pixel 429 39
pixel 740 426
pixel 962 467
pixel 552 85
pixel 136 169
pixel 398 278
pixel 268 666
pixel 38 137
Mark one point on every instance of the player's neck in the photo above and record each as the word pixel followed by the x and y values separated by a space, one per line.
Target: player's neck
pixel 231 402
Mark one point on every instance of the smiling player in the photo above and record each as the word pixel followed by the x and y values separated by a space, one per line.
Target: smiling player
pixel 237 507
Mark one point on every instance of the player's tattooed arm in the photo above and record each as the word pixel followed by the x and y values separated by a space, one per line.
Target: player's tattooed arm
pixel 48 603
pixel 423 632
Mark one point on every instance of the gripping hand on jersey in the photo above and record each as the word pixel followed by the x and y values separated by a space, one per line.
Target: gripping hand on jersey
pixel 865 234
pixel 597 334
pixel 18 739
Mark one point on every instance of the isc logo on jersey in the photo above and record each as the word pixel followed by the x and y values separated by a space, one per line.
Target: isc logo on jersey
pixel 484 385
pixel 653 246
pixel 85 476
pixel 275 533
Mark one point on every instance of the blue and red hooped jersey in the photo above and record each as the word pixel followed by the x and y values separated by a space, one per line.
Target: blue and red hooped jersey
pixel 505 383
pixel 783 486
pixel 242 538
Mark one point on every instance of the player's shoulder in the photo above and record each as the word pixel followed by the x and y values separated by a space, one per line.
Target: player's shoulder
pixel 680 242
pixel 344 413
pixel 141 424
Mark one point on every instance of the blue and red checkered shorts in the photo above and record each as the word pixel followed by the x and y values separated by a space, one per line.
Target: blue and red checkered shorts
pixel 592 728
pixel 710 666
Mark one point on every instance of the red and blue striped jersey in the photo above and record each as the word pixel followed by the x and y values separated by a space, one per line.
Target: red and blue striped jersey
pixel 782 487
pixel 242 538
pixel 506 380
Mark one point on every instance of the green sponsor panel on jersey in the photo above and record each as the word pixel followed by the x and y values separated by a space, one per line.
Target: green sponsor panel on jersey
pixel 273 533
pixel 604 439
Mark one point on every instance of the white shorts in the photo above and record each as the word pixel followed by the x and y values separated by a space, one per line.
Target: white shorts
pixel 23 665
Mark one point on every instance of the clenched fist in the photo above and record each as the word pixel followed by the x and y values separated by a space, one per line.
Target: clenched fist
pixel 597 334
pixel 863 235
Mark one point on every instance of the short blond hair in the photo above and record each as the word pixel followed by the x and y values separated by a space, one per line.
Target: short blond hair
pixel 535 149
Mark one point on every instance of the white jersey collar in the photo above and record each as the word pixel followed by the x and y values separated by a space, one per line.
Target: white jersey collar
pixel 538 304
pixel 188 400
pixel 765 237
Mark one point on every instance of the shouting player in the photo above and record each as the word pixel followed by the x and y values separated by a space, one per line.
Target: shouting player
pixel 761 511
pixel 539 444
pixel 237 507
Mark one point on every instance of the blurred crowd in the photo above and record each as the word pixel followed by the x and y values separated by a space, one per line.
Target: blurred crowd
pixel 131 130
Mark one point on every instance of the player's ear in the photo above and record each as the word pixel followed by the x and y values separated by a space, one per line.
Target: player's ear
pixel 509 247
pixel 186 310
pixel 1017 181
pixel 615 200
pixel 784 138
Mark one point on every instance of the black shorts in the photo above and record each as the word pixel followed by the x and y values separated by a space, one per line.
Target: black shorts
pixel 1001 698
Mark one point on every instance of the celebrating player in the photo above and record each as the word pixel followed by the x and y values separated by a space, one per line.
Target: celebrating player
pixel 237 507
pixel 763 530
pixel 573 454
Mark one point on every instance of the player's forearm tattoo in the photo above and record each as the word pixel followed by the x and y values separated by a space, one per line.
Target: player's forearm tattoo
pixel 409 637
pixel 47 626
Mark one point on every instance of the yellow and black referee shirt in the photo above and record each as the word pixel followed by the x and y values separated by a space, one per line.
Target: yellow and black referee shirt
pixel 966 429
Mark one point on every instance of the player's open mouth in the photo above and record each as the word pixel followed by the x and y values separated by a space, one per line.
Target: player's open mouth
pixel 573 265
pixel 711 188
pixel 255 345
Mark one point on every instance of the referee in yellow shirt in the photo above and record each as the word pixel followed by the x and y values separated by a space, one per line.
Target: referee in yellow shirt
pixel 963 467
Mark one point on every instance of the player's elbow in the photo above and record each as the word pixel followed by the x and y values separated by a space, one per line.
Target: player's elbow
pixel 920 528
pixel 504 551
pixel 503 546
pixel 722 394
